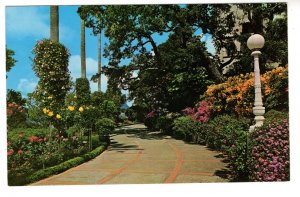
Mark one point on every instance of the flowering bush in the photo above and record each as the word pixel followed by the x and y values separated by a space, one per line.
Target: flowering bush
pixel 32 149
pixel 50 64
pixel 237 93
pixel 201 113
pixel 16 116
pixel 269 156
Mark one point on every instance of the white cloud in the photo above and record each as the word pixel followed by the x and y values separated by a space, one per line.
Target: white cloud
pixel 94 86
pixel 26 86
pixel 91 69
pixel 27 21
pixel 24 21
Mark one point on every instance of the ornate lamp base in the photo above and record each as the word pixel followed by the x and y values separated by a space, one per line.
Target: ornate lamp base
pixel 258 111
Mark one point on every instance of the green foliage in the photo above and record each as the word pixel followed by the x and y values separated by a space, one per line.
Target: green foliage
pixel 275 116
pixel 14 135
pixel 15 97
pixel 16 116
pixel 82 91
pixel 278 98
pixel 73 130
pixel 109 109
pixel 44 173
pixel 104 126
pixel 269 20
pixel 227 134
pixel 50 64
pixel 97 98
pixel 10 61
pixel 184 127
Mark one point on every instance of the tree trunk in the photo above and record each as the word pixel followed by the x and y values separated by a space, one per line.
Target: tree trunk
pixel 82 49
pixel 54 23
pixel 219 78
pixel 99 61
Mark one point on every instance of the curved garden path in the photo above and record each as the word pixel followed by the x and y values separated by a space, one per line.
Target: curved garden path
pixel 137 156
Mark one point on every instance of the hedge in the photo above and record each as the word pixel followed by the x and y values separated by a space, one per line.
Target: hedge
pixel 44 173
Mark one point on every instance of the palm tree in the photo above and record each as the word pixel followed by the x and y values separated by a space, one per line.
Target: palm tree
pixel 82 48
pixel 99 61
pixel 54 23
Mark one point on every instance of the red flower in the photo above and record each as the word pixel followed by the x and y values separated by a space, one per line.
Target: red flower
pixel 286 89
pixel 9 112
pixel 10 105
pixel 33 139
pixel 10 152
pixel 20 152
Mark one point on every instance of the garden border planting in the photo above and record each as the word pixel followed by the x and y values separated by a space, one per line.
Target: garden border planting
pixel 44 173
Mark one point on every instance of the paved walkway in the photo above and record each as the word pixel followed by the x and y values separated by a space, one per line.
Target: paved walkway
pixel 136 156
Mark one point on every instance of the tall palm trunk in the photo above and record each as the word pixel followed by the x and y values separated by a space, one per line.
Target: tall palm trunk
pixel 99 61
pixel 82 49
pixel 54 23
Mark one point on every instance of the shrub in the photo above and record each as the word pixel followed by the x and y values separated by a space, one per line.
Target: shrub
pixel 269 155
pixel 227 134
pixel 82 91
pixel 185 128
pixel 104 126
pixel 15 97
pixel 151 121
pixel 201 113
pixel 50 64
pixel 275 116
pixel 236 95
pixel 16 116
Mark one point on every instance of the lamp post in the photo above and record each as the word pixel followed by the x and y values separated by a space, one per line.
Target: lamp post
pixel 255 43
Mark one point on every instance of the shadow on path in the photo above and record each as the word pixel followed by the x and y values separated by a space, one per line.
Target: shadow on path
pixel 120 147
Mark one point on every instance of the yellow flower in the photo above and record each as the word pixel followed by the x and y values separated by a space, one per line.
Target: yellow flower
pixel 58 116
pixel 50 113
pixel 75 97
pixel 80 109
pixel 45 110
pixel 71 108
pixel 50 97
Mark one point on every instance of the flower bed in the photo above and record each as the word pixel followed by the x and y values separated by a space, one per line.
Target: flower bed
pixel 44 173
pixel 29 150
pixel 269 156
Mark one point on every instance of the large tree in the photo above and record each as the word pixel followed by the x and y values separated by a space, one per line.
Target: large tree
pixel 54 23
pixel 173 74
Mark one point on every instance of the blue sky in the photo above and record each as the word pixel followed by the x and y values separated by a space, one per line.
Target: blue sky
pixel 25 25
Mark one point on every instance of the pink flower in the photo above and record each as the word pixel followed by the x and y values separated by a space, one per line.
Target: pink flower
pixel 261 160
pixel 150 114
pixel 10 105
pixel 10 152
pixel 20 152
pixel 20 135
